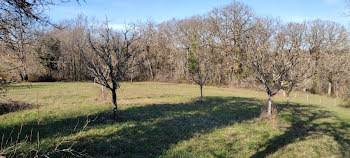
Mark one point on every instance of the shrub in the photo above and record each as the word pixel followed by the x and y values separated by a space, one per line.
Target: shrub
pixel 11 106
pixel 42 78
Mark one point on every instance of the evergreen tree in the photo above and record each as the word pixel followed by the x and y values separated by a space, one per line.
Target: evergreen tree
pixel 49 54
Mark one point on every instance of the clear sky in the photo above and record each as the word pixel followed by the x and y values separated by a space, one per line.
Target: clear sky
pixel 121 12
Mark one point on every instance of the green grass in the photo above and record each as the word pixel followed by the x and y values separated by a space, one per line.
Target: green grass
pixel 164 120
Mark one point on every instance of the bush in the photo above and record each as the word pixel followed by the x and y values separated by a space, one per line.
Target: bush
pixel 41 78
pixel 11 106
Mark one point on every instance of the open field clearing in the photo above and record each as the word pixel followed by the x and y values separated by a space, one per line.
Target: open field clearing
pixel 175 79
pixel 165 120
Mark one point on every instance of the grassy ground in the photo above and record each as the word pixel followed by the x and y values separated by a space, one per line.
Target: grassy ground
pixel 164 120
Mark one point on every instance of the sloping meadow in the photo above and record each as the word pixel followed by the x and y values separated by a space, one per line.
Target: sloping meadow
pixel 166 120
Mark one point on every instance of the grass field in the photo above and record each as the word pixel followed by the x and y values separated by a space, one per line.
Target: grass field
pixel 164 120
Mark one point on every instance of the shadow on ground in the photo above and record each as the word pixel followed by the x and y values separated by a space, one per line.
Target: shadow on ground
pixel 150 130
pixel 305 120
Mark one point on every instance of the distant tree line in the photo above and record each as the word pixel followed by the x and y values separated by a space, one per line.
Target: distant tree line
pixel 228 46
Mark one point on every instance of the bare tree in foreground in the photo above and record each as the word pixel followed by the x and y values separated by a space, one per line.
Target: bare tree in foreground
pixel 270 62
pixel 107 57
pixel 13 11
pixel 265 68
pixel 19 41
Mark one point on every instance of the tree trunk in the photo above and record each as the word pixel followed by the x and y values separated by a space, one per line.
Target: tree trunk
pixel 334 85
pixel 63 69
pixel 201 86
pixel 114 96
pixel 314 82
pixel 149 63
pixel 74 69
pixel 269 107
pixel 171 71
pixel 22 77
pixel 80 67
pixel 329 88
pixel 287 100
pixel 26 77
pixel 150 69
pixel 25 71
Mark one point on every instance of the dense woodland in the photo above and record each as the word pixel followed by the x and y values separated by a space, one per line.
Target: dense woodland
pixel 230 45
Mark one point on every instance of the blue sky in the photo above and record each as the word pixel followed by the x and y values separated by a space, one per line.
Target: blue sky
pixel 122 12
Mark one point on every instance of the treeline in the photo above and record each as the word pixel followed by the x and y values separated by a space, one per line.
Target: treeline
pixel 228 46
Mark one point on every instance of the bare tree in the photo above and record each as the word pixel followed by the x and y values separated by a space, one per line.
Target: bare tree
pixel 12 11
pixel 16 20
pixel 335 59
pixel 316 43
pixel 292 41
pixel 148 33
pixel 268 60
pixel 18 43
pixel 107 57
pixel 233 24
pixel 73 38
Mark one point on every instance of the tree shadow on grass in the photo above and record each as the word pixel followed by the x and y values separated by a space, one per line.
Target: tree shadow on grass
pixel 155 128
pixel 149 130
pixel 307 120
